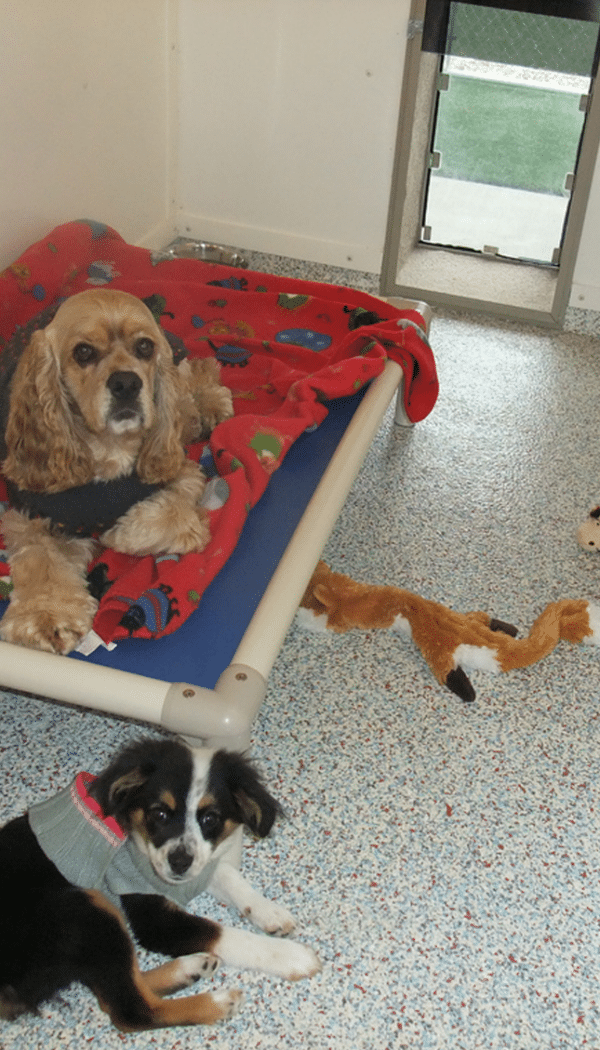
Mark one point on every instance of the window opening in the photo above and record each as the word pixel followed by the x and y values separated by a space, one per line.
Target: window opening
pixel 511 103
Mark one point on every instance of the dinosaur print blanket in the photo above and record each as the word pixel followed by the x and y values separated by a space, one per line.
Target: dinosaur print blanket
pixel 286 348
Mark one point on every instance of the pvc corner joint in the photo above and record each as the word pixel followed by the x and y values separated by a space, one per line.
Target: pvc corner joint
pixel 219 717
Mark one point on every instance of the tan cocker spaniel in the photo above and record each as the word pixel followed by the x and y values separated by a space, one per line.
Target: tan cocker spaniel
pixel 99 413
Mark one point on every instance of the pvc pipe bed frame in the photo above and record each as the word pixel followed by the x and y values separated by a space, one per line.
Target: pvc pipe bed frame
pixel 223 716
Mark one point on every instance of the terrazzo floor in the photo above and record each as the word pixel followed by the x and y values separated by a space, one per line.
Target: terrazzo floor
pixel 442 858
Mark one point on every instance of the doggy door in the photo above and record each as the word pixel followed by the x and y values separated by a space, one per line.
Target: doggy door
pixel 511 104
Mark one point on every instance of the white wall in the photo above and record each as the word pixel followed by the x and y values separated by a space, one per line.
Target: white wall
pixel 288 112
pixel 279 137
pixel 83 117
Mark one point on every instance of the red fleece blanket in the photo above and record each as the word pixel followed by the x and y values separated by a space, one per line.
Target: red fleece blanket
pixel 286 347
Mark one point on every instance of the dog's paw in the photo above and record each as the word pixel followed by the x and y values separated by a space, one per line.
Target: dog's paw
pixel 291 960
pixel 253 951
pixel 228 1003
pixel 215 408
pixel 214 402
pixel 206 1008
pixel 162 524
pixel 190 968
pixel 48 624
pixel 191 532
pixel 271 918
pixel 287 959
pixel 225 409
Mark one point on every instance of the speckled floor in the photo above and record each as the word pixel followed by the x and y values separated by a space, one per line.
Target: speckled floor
pixel 443 859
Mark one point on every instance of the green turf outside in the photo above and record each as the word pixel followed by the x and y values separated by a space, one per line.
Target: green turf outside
pixel 507 134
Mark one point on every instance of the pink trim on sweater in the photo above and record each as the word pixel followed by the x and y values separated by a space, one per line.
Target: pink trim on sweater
pixel 91 811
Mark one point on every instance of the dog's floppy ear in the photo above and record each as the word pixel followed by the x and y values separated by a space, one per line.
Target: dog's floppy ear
pixel 162 456
pixel 44 452
pixel 254 806
pixel 118 786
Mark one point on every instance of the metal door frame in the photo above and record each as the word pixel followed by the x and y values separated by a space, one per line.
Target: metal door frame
pixel 407 196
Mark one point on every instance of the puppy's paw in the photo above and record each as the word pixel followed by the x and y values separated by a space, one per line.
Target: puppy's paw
pixel 190 968
pixel 253 951
pixel 292 961
pixel 206 1008
pixel 228 1002
pixel 270 917
pixel 48 624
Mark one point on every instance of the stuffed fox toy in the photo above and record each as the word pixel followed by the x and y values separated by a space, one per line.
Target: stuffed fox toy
pixel 449 641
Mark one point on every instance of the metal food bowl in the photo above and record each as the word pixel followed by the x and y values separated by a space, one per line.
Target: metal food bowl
pixel 214 253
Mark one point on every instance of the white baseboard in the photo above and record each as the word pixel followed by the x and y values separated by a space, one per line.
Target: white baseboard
pixel 585 297
pixel 294 246
pixel 279 242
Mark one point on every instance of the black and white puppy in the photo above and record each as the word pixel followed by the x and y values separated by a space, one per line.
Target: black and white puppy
pixel 159 825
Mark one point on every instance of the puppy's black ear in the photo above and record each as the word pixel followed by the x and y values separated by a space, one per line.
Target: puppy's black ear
pixel 118 787
pixel 250 800
pixel 115 787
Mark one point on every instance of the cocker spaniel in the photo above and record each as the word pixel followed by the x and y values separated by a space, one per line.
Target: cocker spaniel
pixel 98 414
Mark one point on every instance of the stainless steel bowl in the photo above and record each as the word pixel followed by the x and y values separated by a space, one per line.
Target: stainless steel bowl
pixel 215 253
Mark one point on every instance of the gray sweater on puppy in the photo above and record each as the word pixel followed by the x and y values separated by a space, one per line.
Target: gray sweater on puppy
pixel 93 852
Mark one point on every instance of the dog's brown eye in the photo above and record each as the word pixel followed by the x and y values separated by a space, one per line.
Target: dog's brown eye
pixel 144 348
pixel 85 354
pixel 211 823
pixel 160 815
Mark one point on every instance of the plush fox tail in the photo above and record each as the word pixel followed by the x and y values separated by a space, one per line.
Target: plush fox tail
pixel 567 620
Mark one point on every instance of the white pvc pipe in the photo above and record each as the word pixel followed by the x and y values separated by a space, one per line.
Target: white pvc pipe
pixel 76 682
pixel 269 625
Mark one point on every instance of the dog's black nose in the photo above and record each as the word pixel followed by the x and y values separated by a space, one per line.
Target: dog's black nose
pixel 180 860
pixel 124 386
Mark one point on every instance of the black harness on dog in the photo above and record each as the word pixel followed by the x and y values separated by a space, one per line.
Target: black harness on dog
pixel 84 510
